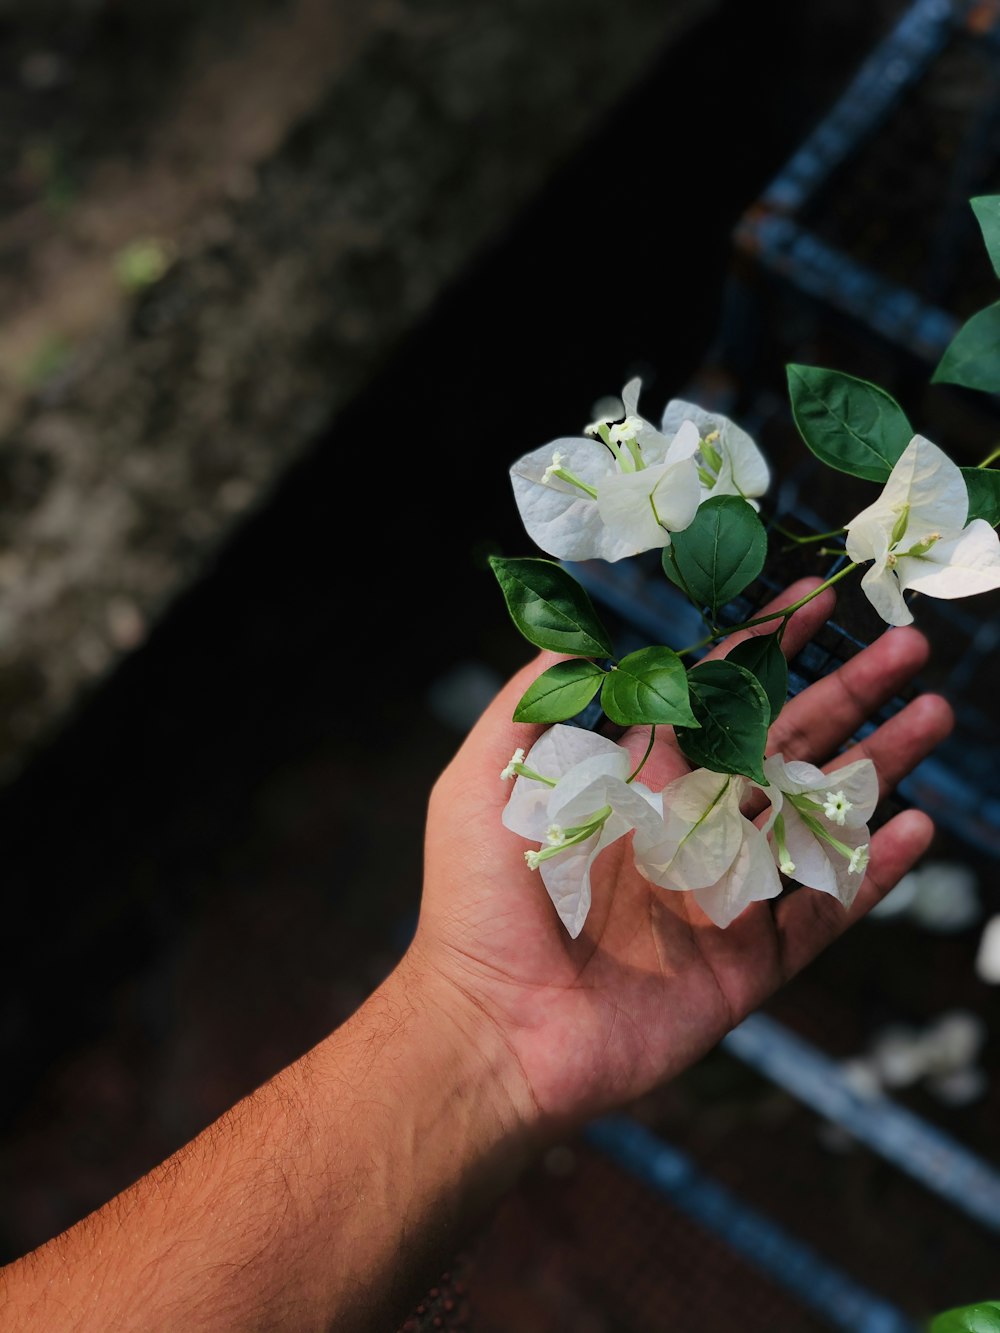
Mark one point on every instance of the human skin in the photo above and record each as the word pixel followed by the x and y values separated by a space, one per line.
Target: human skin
pixel 329 1198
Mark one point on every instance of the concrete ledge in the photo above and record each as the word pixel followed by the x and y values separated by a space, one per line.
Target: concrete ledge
pixel 187 372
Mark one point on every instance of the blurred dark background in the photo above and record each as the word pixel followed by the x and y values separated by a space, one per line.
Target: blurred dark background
pixel 287 287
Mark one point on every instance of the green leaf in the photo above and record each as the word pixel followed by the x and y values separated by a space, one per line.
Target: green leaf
pixel 734 713
pixel 983 485
pixel 722 551
pixel 550 608
pixel 983 1317
pixel 560 692
pixel 763 658
pixel 649 686
pixel 848 423
pixel 987 210
pixel 972 358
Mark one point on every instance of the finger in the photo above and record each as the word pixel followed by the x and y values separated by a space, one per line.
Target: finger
pixel 495 735
pixel 808 921
pixel 898 745
pixel 814 724
pixel 665 762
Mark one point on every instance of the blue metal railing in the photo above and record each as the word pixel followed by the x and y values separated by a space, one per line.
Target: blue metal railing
pixel 818 1284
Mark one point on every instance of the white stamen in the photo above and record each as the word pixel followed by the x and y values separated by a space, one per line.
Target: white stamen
pixel 555 835
pixel 533 859
pixel 787 866
pixel 516 758
pixel 626 430
pixel 595 426
pixel 557 462
pixel 859 860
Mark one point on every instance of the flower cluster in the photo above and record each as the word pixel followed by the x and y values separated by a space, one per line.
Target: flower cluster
pixel 573 796
pixel 622 488
pixel 917 535
pixel 690 488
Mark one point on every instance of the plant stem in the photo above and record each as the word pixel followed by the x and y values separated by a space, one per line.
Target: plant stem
pixel 642 762
pixel 785 613
pixel 990 457
pixel 814 537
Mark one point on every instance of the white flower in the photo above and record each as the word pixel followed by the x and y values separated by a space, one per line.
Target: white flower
pixel 823 851
pixel 917 536
pixel 837 806
pixel 608 497
pixel 571 796
pixel 729 461
pixel 708 847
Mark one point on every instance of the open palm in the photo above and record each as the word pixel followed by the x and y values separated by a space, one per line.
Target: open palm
pixel 650 984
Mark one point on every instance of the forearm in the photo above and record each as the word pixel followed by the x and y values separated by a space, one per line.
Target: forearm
pixel 322 1201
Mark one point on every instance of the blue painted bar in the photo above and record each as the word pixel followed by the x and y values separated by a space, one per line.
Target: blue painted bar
pixel 813 1280
pixel 770 231
pixel 916 1147
pixel 896 63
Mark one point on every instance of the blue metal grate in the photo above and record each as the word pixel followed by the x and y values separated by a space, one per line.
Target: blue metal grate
pixel 783 228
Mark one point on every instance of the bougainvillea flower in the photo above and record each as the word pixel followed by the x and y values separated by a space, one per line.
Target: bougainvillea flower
pixel 729 461
pixel 708 847
pixel 917 536
pixel 617 491
pixel 819 823
pixel 571 796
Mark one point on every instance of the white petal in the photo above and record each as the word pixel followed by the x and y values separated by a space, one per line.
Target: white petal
pixel 858 782
pixel 567 876
pixel 751 877
pixel 787 776
pixel 630 810
pixel 923 478
pixel 701 834
pixel 932 485
pixel 684 443
pixel 812 865
pixel 677 411
pixel 676 495
pixel 654 446
pixel 776 800
pixel 630 396
pixel 882 589
pixel 818 865
pixel 567 880
pixel 526 811
pixel 556 753
pixel 868 533
pixel 745 470
pixel 960 567
pixel 561 747
pixel 625 502
pixel 849 883
pixel 593 771
pixel 748 467
pixel 558 517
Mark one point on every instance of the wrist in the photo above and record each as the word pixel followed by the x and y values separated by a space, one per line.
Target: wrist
pixel 467 1048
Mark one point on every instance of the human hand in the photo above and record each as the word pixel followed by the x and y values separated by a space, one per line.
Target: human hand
pixel 651 984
